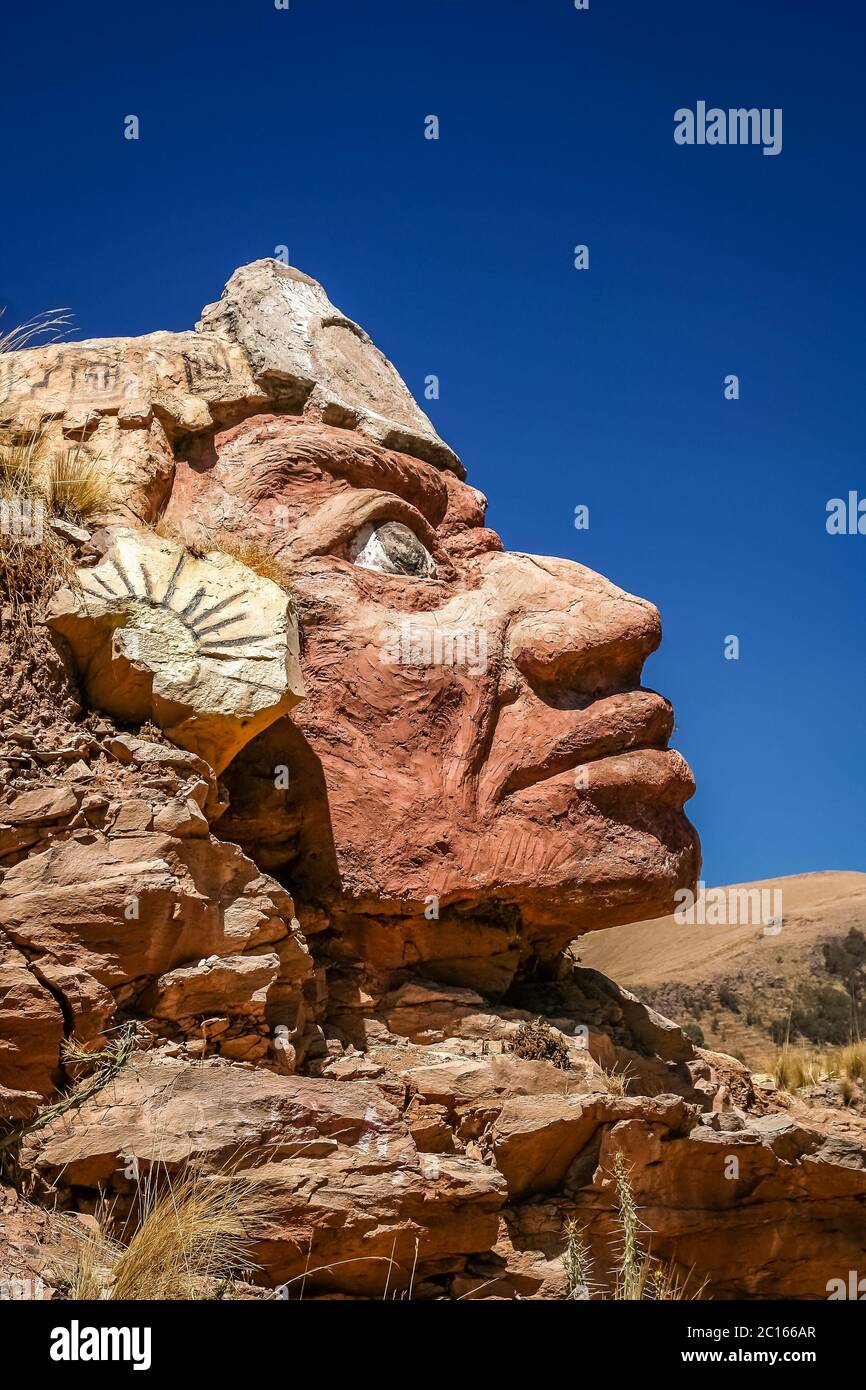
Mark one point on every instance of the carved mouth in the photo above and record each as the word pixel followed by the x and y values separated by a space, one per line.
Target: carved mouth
pixel 556 742
pixel 647 777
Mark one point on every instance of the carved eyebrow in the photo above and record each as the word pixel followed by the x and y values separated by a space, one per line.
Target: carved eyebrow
pixel 304 453
pixel 365 508
pixel 340 518
pixel 416 484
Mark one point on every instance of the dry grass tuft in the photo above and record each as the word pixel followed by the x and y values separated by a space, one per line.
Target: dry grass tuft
pixel 37 486
pixel 794 1067
pixel 74 484
pixel 40 483
pixel 847 1090
pixel 69 483
pixel 88 1274
pixel 51 325
pixel 195 1232
pixel 30 574
pixel 180 535
pixel 191 1236
pixel 616 1082
pixel 247 551
pixel 254 555
pixel 851 1061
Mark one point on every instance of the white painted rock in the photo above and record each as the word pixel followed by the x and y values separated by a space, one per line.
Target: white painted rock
pixel 302 349
pixel 203 647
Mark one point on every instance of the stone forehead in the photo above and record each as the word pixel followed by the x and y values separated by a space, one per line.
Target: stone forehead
pixel 295 339
pixel 273 341
pixel 268 454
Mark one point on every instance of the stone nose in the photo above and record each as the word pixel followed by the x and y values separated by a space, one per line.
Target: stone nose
pixel 579 633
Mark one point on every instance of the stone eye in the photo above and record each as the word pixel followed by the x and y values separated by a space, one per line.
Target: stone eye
pixel 391 548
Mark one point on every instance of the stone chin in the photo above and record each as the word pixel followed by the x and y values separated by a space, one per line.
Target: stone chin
pixel 406 878
pixel 574 862
pixel 599 855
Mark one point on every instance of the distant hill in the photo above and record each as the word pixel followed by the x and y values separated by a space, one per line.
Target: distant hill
pixel 737 987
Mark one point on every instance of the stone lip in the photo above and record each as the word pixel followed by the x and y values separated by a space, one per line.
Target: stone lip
pixel 301 349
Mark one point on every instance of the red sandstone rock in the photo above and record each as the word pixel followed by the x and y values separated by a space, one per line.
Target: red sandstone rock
pixel 475 777
pixel 31 1030
pixel 123 917
pixel 449 779
pixel 348 1183
pixel 228 984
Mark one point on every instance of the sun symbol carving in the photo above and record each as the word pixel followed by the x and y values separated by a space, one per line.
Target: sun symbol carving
pixel 209 628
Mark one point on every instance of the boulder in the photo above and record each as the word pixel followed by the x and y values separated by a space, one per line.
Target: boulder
pixel 300 346
pixel 202 646
pixel 225 984
pixel 536 1139
pixel 771 1207
pixel 123 918
pixel 351 1195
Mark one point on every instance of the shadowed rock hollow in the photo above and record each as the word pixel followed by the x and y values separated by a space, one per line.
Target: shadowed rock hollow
pixel 387 772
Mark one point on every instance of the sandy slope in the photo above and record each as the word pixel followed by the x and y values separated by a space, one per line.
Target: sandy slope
pixel 651 953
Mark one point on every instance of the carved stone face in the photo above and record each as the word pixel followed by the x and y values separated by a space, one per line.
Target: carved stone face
pixel 475 757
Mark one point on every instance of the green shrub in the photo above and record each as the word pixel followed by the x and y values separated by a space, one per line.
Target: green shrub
pixel 728 999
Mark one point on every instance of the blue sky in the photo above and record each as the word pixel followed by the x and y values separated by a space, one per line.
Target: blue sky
pixel 304 128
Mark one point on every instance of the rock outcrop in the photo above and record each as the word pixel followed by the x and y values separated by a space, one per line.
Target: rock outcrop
pixel 317 836
pixel 305 353
pixel 274 340
pixel 476 775
pixel 454 1167
pixel 123 904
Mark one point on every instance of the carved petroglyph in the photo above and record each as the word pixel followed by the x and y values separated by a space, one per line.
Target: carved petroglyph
pixel 107 374
pixel 204 647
